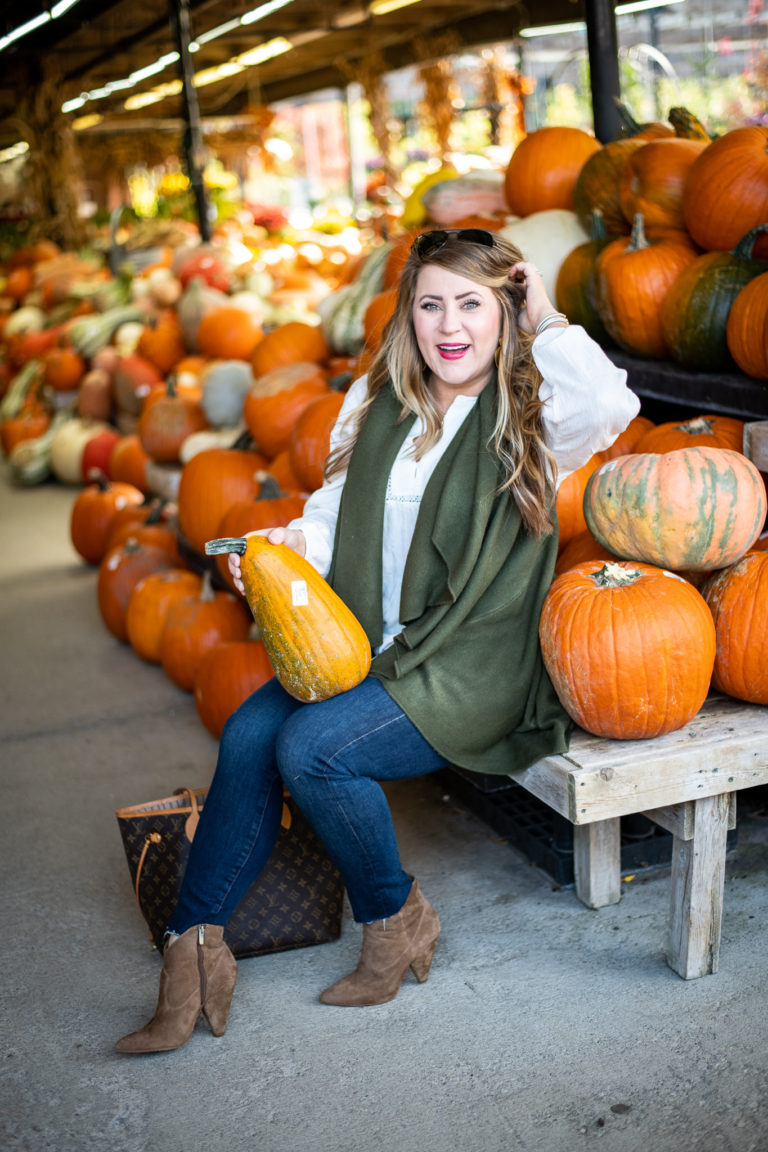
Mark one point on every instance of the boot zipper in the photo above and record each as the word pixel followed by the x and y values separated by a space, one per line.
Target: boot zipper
pixel 201 961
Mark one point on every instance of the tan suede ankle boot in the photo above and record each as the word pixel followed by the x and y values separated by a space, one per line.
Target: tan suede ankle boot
pixel 199 974
pixel 390 948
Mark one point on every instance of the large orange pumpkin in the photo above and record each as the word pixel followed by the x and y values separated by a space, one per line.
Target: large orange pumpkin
pixel 726 190
pixel 270 509
pixel 652 181
pixel 633 277
pixel 310 439
pixel 738 600
pixel 210 483
pixel 579 548
pixel 316 645
pixel 543 169
pixel 289 344
pixel 275 401
pixel 226 676
pixel 691 509
pixel 228 333
pixel 629 648
pixel 377 315
pixel 162 343
pixel 195 623
pixel 707 431
pixel 149 605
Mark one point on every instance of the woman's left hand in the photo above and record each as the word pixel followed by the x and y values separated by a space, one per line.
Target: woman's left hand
pixel 537 303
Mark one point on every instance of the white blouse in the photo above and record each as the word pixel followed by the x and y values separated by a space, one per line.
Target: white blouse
pixel 586 405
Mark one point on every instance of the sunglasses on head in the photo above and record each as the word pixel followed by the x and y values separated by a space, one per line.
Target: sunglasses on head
pixel 428 243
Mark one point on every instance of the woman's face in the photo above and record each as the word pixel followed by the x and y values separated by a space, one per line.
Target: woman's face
pixel 457 324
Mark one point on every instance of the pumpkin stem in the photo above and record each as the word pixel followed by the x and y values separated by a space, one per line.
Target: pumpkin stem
pixel 96 476
pixel 699 426
pixel 745 248
pixel 226 544
pixel 613 575
pixel 270 489
pixel 598 230
pixel 638 239
pixel 207 591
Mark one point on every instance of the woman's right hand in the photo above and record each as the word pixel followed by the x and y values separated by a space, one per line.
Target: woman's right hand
pixel 292 537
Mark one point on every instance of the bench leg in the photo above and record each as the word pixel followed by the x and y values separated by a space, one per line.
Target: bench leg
pixel 597 862
pixel 698 877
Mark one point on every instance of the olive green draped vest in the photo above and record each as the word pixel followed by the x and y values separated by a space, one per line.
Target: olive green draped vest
pixel 467 667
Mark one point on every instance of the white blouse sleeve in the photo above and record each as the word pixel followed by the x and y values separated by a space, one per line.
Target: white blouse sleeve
pixel 587 403
pixel 321 511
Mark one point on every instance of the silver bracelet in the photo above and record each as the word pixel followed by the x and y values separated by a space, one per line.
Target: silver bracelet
pixel 548 320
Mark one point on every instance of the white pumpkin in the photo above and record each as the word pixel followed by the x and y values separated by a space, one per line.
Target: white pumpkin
pixel 68 445
pixel 546 238
pixel 224 385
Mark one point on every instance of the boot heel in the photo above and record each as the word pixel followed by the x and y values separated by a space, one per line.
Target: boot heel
pixel 422 964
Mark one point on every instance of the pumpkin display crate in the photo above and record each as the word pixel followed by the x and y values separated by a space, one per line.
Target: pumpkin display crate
pixel 545 837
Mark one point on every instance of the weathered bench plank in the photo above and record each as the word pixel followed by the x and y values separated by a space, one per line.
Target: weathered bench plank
pixel 686 782
pixel 723 749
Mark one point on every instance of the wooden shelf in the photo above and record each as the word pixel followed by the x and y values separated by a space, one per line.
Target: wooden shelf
pixel 662 385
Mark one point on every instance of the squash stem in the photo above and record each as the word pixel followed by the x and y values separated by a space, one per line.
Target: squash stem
pixel 226 544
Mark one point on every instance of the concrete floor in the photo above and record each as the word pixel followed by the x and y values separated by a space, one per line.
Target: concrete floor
pixel 544 1027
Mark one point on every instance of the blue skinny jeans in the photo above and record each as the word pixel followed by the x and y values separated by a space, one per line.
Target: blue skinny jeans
pixel 330 756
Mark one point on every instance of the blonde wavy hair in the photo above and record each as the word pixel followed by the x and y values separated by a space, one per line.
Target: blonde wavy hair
pixel 527 465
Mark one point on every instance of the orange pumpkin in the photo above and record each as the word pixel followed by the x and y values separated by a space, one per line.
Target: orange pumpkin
pixel 289 344
pixel 92 513
pixel 579 548
pixel 63 369
pixel 738 600
pixel 30 423
pixel 210 483
pixel 128 462
pixel 316 645
pixel 275 401
pixel 634 275
pixel 747 328
pixel 377 315
pixel 149 605
pixel 270 509
pixel 726 190
pixel 652 181
pixel 570 500
pixel 162 344
pixel 166 420
pixel 228 333
pixel 120 571
pixel 226 676
pixel 708 431
pixel 629 648
pixel 195 623
pixel 543 169
pixel 310 439
pixel 627 441
pixel 691 509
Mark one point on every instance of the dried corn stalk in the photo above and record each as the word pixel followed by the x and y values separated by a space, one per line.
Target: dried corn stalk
pixel 52 174
pixel 369 72
pixel 441 92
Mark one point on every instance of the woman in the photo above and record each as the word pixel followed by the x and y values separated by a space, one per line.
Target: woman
pixel 436 526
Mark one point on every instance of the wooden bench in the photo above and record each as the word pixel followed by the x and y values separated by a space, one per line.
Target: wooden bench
pixel 686 782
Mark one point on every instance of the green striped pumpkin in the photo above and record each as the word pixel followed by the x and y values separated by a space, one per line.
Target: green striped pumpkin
pixel 690 510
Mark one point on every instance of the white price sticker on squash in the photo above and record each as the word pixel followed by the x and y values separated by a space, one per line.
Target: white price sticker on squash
pixel 299 597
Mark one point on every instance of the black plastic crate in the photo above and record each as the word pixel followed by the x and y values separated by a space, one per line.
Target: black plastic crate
pixel 543 835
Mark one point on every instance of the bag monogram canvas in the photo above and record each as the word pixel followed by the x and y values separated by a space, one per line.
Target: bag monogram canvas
pixel 295 901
